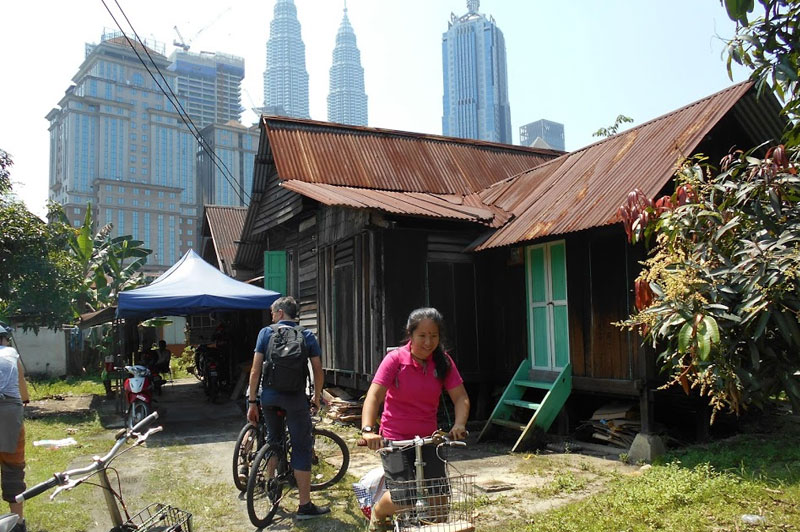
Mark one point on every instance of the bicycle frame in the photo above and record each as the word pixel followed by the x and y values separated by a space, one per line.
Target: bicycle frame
pixel 445 503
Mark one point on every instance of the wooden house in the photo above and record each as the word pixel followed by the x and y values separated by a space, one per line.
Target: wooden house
pixel 521 249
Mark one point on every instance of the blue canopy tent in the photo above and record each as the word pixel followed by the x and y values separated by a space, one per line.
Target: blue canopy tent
pixel 192 286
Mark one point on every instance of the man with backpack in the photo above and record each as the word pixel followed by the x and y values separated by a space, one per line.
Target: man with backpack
pixel 280 368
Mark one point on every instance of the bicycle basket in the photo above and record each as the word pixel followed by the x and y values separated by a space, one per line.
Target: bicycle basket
pixel 160 518
pixel 435 504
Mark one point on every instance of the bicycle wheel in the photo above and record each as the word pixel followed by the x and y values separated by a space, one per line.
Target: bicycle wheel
pixel 243 453
pixel 329 460
pixel 264 494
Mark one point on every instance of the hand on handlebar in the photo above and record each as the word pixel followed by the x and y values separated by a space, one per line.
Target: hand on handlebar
pixel 373 441
pixel 458 432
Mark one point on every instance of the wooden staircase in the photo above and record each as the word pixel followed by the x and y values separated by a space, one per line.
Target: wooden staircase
pixel 541 414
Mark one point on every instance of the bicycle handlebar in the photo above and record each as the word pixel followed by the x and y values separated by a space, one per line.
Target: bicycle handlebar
pixel 61 479
pixel 438 438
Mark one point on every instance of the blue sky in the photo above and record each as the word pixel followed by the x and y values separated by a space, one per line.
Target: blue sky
pixel 578 62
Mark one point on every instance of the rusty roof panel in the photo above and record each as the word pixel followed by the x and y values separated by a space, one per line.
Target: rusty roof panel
pixel 225 226
pixel 584 189
pixel 402 203
pixel 370 158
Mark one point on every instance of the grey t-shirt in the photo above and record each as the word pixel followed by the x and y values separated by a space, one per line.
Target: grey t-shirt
pixel 9 374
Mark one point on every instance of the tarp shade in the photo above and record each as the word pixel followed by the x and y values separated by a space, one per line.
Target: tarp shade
pixel 192 286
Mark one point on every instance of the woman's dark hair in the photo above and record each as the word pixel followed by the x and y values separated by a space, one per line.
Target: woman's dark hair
pixel 440 361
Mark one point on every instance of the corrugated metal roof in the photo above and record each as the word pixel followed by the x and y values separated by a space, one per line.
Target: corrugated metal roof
pixel 403 203
pixel 584 189
pixel 371 158
pixel 224 224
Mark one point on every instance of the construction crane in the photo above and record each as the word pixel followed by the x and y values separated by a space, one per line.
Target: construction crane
pixel 180 42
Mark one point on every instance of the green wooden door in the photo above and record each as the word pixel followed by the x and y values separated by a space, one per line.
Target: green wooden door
pixel 275 271
pixel 548 331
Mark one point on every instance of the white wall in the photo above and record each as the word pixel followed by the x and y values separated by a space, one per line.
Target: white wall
pixel 175 333
pixel 44 353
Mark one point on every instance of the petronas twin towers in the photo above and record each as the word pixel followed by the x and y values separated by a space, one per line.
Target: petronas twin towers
pixel 286 77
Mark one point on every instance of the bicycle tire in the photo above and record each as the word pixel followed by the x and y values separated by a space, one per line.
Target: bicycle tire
pixel 330 459
pixel 243 453
pixel 264 497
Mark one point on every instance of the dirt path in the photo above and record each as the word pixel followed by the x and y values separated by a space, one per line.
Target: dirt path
pixel 195 449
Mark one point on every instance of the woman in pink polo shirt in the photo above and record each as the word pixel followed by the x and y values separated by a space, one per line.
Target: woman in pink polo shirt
pixel 409 382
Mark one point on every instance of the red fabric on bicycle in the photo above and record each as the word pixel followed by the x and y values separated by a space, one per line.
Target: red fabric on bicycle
pixel 412 394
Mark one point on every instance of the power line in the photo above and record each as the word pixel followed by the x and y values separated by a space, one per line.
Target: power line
pixel 173 98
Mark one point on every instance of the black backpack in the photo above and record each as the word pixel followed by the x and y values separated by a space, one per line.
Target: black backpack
pixel 286 360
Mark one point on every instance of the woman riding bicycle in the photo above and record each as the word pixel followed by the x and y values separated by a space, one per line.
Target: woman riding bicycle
pixel 409 382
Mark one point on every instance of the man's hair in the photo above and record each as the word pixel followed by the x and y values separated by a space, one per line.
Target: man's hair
pixel 287 304
pixel 162 343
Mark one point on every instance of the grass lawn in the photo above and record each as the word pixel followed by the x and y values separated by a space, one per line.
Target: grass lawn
pixel 46 388
pixel 701 488
pixel 67 512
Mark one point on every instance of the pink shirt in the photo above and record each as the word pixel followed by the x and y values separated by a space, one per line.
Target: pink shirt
pixel 412 394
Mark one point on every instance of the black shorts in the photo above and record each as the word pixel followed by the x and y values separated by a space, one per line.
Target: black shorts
pixel 400 473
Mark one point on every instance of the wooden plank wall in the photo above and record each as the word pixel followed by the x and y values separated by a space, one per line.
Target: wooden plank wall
pixel 600 283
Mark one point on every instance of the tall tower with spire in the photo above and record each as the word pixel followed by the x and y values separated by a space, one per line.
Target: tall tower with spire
pixel 475 102
pixel 347 101
pixel 286 77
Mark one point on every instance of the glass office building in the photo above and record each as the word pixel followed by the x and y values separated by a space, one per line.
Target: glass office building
pixel 347 100
pixel 552 133
pixel 286 77
pixel 475 101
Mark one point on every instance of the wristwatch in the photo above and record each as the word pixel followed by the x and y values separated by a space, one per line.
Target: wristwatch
pixel 367 429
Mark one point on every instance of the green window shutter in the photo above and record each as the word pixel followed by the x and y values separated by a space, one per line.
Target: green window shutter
pixel 275 271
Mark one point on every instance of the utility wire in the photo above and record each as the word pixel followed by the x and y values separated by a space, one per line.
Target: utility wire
pixel 173 98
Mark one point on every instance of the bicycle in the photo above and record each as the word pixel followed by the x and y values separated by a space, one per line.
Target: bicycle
pixel 270 476
pixel 154 518
pixel 444 504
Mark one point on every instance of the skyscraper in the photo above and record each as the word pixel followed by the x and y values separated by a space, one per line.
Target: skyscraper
pixel 116 141
pixel 475 98
pixel 286 78
pixel 552 133
pixel 209 85
pixel 229 181
pixel 347 101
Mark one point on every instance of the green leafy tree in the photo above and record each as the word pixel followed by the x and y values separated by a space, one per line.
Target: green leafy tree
pixel 719 296
pixel 614 129
pixel 37 273
pixel 108 265
pixel 767 45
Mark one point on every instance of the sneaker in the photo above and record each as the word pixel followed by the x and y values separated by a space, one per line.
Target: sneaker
pixel 20 527
pixel 311 510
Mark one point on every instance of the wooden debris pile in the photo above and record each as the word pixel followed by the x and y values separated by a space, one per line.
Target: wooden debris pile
pixel 341 406
pixel 615 424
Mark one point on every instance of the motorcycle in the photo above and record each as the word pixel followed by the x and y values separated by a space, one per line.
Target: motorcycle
pixel 138 394
pixel 215 374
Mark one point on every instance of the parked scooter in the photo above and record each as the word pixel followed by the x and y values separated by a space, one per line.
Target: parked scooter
pixel 138 393
pixel 215 373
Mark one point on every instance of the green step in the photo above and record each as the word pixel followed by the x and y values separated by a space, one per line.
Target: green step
pixel 522 404
pixel 534 384
pixel 509 424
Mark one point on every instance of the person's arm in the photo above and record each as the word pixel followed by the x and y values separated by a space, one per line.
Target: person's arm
pixel 23 385
pixel 461 403
pixel 369 414
pixel 319 379
pixel 255 378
